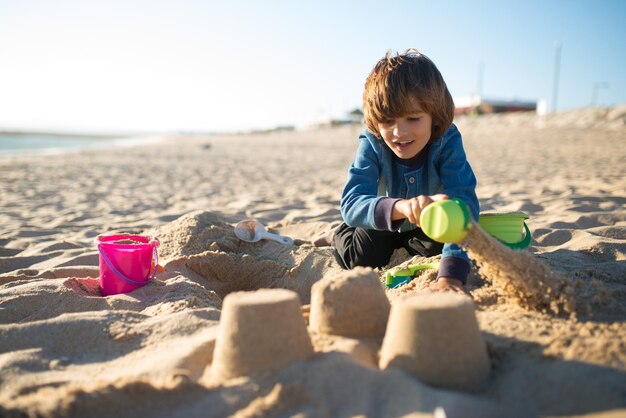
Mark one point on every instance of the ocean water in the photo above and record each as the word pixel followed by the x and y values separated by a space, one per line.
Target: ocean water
pixel 11 144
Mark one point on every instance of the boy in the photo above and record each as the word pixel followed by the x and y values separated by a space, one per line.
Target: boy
pixel 410 155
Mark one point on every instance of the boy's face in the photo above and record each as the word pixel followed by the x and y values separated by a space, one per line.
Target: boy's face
pixel 407 135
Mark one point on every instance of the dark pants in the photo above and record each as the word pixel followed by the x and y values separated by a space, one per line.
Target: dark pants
pixel 371 248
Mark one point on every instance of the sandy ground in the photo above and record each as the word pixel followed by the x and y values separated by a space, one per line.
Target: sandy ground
pixel 67 351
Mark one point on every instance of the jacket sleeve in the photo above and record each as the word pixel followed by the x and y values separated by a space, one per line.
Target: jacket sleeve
pixel 459 181
pixel 456 173
pixel 360 195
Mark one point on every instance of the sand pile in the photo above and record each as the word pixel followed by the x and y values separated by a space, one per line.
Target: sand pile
pixel 203 247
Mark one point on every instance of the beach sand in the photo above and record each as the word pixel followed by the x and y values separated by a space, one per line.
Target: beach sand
pixel 66 351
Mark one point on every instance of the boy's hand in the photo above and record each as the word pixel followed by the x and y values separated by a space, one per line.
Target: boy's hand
pixel 447 284
pixel 411 209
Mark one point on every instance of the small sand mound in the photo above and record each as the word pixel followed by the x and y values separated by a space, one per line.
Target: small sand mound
pixel 195 233
pixel 203 247
pixel 243 347
pixel 86 286
pixel 425 328
pixel 351 304
pixel 519 275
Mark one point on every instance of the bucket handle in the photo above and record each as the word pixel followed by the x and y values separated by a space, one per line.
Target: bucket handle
pixel 155 259
pixel 523 243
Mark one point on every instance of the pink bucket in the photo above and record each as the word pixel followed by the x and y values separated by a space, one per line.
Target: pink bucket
pixel 127 262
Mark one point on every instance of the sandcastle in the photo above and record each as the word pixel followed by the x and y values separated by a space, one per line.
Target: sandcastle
pixel 351 304
pixel 259 331
pixel 435 336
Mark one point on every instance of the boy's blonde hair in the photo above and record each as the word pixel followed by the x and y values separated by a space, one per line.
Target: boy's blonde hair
pixel 400 81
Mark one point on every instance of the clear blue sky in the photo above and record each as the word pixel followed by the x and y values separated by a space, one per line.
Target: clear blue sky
pixel 230 65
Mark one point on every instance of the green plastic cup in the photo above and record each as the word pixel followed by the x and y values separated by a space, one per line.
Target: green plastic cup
pixel 446 220
pixel 449 220
pixel 510 228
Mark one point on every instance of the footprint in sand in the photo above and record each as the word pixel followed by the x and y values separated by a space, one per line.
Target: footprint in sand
pixel 557 237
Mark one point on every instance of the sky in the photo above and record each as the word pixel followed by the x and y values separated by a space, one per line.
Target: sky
pixel 149 66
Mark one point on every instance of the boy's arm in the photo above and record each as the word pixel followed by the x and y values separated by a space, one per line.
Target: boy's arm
pixel 454 270
pixel 360 194
pixel 459 182
pixel 456 173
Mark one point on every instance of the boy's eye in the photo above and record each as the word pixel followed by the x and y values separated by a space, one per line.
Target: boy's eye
pixel 415 118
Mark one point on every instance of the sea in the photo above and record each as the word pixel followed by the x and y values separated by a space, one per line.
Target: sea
pixel 41 143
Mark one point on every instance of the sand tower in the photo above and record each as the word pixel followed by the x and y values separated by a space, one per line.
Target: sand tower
pixel 351 304
pixel 435 336
pixel 258 331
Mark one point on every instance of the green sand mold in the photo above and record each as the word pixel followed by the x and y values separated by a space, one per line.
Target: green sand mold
pixel 510 228
pixel 398 277
pixel 449 220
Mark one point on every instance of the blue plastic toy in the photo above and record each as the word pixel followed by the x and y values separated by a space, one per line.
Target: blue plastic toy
pixel 398 277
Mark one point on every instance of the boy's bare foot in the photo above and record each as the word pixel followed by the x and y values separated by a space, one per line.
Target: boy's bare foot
pixel 325 240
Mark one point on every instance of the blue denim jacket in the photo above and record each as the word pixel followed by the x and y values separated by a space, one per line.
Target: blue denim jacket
pixel 374 175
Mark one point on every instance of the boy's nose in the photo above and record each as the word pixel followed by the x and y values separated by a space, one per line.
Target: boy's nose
pixel 399 128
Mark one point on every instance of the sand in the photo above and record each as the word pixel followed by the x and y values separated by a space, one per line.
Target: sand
pixel 520 275
pixel 65 351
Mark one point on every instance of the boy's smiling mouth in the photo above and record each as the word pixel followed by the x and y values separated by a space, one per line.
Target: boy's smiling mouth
pixel 402 144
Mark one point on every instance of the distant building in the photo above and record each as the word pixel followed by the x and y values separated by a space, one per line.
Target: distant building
pixel 481 105
pixel 280 128
pixel 356 115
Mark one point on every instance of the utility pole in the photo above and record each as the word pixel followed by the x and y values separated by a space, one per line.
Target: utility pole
pixel 555 82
